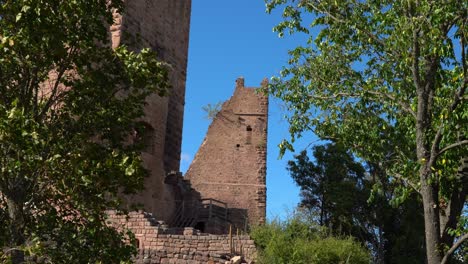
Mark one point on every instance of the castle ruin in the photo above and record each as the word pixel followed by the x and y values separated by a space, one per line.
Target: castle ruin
pixel 230 165
pixel 223 191
pixel 163 26
pixel 224 188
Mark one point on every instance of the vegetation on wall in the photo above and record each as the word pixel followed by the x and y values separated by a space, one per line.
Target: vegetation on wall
pixel 68 106
pixel 211 110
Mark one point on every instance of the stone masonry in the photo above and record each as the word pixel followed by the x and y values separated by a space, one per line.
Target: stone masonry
pixel 230 165
pixel 159 244
pixel 229 168
pixel 162 25
pixel 236 140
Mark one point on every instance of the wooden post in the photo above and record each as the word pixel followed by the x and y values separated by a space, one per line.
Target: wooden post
pixel 238 240
pixel 230 238
pixel 183 209
pixel 225 212
pixel 210 210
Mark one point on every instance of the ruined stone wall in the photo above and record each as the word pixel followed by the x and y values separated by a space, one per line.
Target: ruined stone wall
pixel 159 244
pixel 230 165
pixel 162 25
pixel 197 248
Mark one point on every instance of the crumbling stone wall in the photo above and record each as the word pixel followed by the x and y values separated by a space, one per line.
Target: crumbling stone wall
pixel 157 243
pixel 230 165
pixel 162 25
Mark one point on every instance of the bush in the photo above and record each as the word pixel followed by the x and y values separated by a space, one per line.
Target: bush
pixel 300 241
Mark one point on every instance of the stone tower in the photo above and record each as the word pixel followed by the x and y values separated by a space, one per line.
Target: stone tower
pixel 230 165
pixel 162 25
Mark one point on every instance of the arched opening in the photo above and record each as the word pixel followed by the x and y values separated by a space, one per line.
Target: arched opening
pixel 200 226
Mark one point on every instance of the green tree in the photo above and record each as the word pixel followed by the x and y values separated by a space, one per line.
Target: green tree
pixel 332 185
pixel 68 104
pixel 336 188
pixel 379 74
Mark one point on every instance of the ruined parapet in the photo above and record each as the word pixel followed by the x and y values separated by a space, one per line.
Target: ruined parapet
pixel 163 26
pixel 230 165
pixel 157 243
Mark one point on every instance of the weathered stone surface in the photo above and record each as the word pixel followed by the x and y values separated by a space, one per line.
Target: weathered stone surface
pixel 173 246
pixel 162 25
pixel 230 165
pixel 236 139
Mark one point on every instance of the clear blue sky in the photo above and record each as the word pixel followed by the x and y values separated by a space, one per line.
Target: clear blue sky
pixel 229 39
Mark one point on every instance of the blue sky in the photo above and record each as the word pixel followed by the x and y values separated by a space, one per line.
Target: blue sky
pixel 229 39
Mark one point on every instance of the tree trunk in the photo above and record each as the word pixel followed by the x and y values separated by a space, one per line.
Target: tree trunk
pixel 15 213
pixel 431 221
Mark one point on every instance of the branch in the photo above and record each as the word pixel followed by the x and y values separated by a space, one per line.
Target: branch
pixel 404 105
pixel 6 251
pixel 453 248
pixel 415 67
pixel 454 208
pixel 464 65
pixel 456 100
pixel 52 99
pixel 60 73
pixel 454 145
pixel 336 19
pixel 333 96
pixel 407 181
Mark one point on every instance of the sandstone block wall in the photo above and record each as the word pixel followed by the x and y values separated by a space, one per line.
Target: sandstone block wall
pixel 230 165
pixel 159 244
pixel 162 25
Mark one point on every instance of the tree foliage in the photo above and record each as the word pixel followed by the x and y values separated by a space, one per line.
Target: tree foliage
pixel 68 104
pixel 387 79
pixel 335 189
pixel 332 185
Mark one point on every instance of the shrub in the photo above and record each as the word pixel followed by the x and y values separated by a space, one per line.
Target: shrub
pixel 300 241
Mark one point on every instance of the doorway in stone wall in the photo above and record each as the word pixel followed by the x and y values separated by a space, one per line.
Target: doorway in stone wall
pixel 200 226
